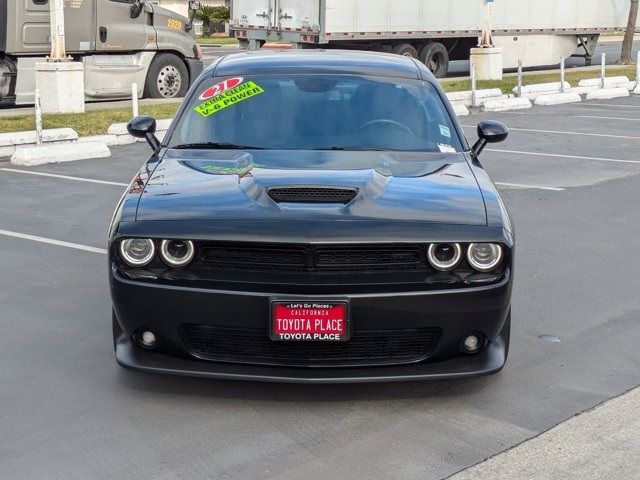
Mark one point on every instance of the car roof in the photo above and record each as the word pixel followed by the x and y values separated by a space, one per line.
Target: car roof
pixel 351 62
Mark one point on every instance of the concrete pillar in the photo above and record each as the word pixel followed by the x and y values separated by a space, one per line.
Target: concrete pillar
pixel 488 63
pixel 61 86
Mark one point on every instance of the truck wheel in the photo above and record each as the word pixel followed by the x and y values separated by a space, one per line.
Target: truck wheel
pixel 435 56
pixel 167 77
pixel 405 50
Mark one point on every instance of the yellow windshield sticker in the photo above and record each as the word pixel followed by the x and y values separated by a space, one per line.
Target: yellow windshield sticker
pixel 230 97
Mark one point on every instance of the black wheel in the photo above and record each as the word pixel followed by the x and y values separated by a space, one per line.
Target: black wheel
pixel 243 44
pixel 435 56
pixel 167 77
pixel 405 50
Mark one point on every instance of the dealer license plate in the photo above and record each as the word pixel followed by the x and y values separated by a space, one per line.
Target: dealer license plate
pixel 301 321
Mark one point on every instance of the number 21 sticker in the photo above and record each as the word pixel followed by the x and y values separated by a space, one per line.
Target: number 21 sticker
pixel 221 87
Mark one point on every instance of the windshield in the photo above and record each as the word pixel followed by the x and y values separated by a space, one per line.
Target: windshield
pixel 319 112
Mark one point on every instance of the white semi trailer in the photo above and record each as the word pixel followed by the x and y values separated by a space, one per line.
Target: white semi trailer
pixel 538 32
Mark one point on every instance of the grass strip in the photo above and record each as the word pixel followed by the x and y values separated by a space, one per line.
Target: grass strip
pixel 92 122
pixel 509 82
pixel 216 41
pixel 96 122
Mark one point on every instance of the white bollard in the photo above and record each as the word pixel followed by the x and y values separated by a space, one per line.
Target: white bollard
pixel 473 86
pixel 38 107
pixel 519 78
pixel 603 70
pixel 134 99
pixel 562 75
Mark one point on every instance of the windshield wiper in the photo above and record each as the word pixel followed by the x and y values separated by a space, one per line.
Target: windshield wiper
pixel 355 149
pixel 215 146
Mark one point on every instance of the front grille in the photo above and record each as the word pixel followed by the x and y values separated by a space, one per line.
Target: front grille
pixel 345 257
pixel 255 257
pixel 253 346
pixel 312 194
pixel 314 258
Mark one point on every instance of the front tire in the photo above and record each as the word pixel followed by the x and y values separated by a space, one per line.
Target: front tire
pixel 167 77
pixel 436 57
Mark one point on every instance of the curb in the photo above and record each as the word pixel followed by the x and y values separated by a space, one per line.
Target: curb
pixel 57 153
pixel 558 98
pixel 608 93
pixel 506 105
pixel 10 142
pixel 609 82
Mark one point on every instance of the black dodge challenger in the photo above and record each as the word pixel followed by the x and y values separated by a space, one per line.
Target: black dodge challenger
pixel 313 216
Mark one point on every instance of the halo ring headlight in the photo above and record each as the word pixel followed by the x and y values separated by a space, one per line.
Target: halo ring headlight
pixel 177 253
pixel 444 256
pixel 484 257
pixel 137 252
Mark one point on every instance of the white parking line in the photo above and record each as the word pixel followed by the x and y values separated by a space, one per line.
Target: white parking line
pixel 52 241
pixel 626 137
pixel 65 177
pixel 533 187
pixel 609 118
pixel 587 105
pixel 577 157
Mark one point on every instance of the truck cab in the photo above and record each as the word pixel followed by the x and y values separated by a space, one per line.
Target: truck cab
pixel 120 42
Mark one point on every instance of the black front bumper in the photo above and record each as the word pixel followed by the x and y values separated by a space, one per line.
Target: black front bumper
pixel 457 313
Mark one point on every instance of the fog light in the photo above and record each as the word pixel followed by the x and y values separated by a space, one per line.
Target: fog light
pixel 147 339
pixel 471 344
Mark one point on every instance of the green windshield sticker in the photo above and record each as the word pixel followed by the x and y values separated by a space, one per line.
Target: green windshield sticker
pixel 230 97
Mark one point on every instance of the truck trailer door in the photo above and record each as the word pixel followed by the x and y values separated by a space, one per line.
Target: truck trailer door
pixel 292 15
pixel 255 13
pixel 118 32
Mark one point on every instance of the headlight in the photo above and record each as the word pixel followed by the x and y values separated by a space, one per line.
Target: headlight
pixel 137 252
pixel 177 253
pixel 444 256
pixel 484 257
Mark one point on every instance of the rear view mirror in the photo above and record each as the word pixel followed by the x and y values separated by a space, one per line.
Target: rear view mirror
pixel 194 5
pixel 489 131
pixel 144 126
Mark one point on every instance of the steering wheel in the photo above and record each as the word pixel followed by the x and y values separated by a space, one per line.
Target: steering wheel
pixel 389 122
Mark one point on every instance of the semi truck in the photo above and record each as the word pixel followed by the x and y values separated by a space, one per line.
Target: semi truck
pixel 537 32
pixel 119 42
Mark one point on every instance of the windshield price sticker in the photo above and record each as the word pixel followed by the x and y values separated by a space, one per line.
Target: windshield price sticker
pixel 228 98
pixel 221 87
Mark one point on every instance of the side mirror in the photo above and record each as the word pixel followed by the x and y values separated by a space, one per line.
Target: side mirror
pixel 489 131
pixel 194 6
pixel 144 126
pixel 136 8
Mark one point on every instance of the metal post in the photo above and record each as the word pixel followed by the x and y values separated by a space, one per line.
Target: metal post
pixel 603 70
pixel 638 73
pixel 519 78
pixel 38 106
pixel 134 99
pixel 562 75
pixel 473 85
pixel 57 30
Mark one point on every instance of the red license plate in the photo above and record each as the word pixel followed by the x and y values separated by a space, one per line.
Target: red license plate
pixel 300 321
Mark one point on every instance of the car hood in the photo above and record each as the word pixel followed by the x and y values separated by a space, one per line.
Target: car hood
pixel 398 186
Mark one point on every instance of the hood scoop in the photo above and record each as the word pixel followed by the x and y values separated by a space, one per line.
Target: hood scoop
pixel 312 194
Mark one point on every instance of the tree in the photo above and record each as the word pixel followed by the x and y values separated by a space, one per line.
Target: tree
pixel 209 15
pixel 626 56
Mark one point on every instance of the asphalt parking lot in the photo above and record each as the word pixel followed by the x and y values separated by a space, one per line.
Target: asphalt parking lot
pixel 570 177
